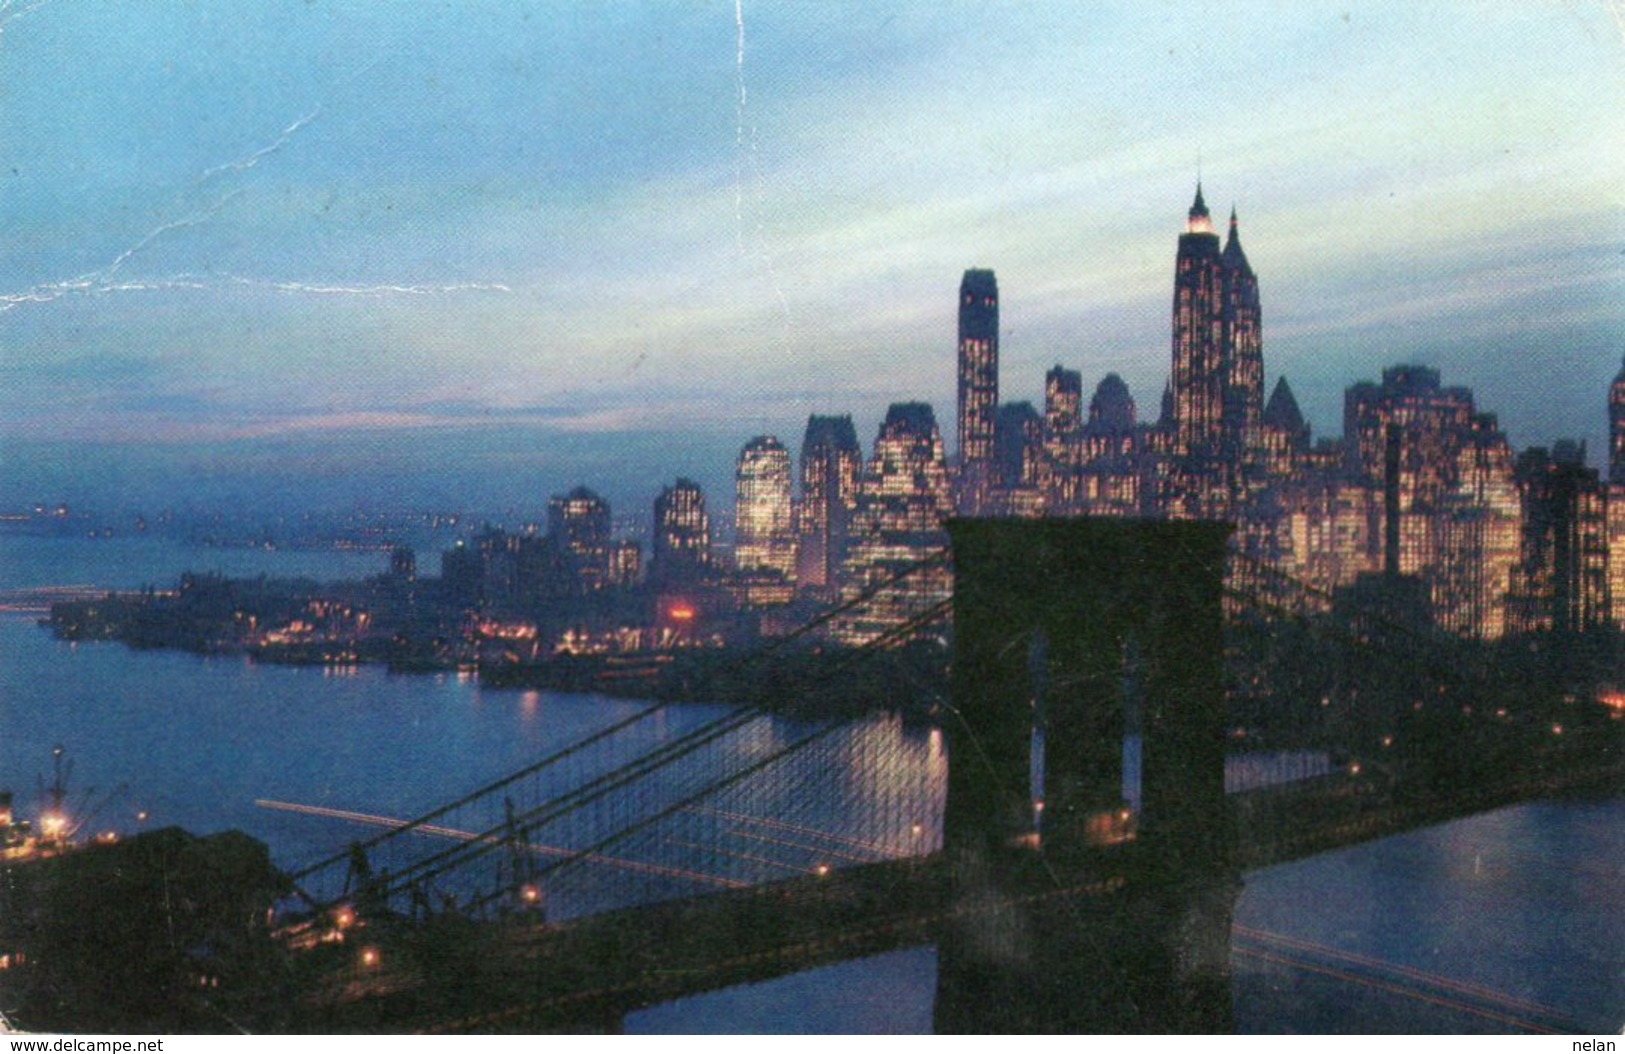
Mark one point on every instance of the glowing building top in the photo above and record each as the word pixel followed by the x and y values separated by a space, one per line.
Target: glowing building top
pixel 1199 221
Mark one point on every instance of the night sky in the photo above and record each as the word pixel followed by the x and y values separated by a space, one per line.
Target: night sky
pixel 443 252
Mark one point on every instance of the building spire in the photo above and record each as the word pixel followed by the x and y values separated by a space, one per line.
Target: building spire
pixel 1233 254
pixel 1200 222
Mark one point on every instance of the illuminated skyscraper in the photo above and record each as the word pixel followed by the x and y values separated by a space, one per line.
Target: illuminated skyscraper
pixel 1449 515
pixel 1199 369
pixel 578 525
pixel 978 383
pixel 625 563
pixel 682 537
pixel 1218 370
pixel 1616 429
pixel 1111 465
pixel 1615 514
pixel 1020 469
pixel 1111 409
pixel 1432 421
pixel 902 501
pixel 831 463
pixel 1243 349
pixel 764 535
pixel 1063 439
pixel 1616 498
pixel 1479 525
pixel 1562 579
pixel 1285 435
pixel 1063 401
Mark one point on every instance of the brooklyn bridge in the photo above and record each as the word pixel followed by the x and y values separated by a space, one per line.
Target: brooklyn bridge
pixel 1073 848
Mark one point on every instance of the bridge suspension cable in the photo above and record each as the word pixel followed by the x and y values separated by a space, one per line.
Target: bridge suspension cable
pixel 521 823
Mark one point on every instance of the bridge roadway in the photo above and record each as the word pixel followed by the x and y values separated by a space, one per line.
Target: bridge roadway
pixel 517 974
pixel 587 973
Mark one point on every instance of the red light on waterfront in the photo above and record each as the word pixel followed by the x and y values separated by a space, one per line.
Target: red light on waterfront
pixel 344 918
pixel 369 957
pixel 1614 700
pixel 682 613
pixel 530 894
pixel 822 870
pixel 1557 730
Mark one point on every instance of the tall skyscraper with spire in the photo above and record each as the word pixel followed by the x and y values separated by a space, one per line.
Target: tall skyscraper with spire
pixel 1199 369
pixel 1218 366
pixel 978 384
pixel 1243 337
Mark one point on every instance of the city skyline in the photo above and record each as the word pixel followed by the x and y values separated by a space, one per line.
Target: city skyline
pixel 528 248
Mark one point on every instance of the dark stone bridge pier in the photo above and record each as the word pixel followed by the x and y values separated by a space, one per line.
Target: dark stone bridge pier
pixel 1069 637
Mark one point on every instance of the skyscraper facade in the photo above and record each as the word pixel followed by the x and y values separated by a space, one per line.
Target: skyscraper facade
pixel 1562 579
pixel 978 383
pixel 1450 514
pixel 1199 369
pixel 1218 369
pixel 1243 346
pixel 682 537
pixel 1284 433
pixel 764 533
pixel 1112 463
pixel 1063 439
pixel 578 524
pixel 831 462
pixel 1019 465
pixel 895 568
pixel 1616 429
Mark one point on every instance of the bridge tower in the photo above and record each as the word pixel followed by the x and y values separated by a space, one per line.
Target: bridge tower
pixel 1070 636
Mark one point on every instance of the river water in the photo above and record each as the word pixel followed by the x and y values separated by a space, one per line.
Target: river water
pixel 1509 921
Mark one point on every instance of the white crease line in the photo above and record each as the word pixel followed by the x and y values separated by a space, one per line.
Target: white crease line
pixel 248 161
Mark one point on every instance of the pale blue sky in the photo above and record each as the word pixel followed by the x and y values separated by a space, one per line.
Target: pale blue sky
pixel 236 228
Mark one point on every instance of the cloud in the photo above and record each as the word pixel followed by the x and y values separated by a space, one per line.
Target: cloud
pixel 623 227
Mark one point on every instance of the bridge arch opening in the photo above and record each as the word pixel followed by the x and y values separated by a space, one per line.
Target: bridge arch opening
pixel 1087 677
